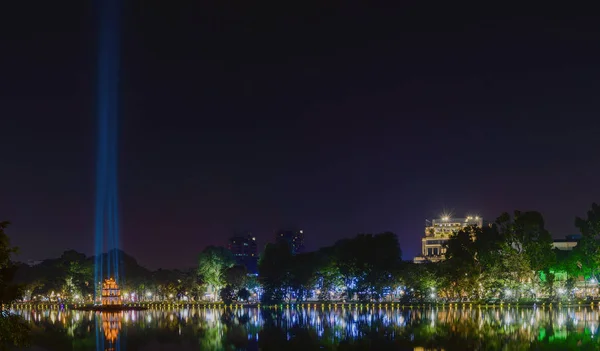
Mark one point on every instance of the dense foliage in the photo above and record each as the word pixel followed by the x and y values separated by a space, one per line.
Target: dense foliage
pixel 13 331
pixel 70 278
pixel 512 258
pixel 364 267
pixel 212 266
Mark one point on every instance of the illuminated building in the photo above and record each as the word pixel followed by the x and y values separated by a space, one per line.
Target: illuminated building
pixel 437 233
pixel 111 294
pixel 566 244
pixel 294 238
pixel 245 251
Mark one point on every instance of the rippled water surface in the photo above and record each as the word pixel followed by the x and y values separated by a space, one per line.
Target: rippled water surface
pixel 320 328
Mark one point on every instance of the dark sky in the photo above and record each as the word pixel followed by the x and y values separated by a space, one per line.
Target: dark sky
pixel 332 118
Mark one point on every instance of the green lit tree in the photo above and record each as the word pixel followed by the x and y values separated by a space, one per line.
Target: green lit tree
pixel 212 263
pixel 529 245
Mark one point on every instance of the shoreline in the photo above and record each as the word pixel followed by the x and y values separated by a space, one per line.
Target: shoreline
pixel 322 305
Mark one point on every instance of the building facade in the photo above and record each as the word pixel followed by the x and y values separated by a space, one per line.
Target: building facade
pixel 245 250
pixel 566 244
pixel 437 233
pixel 295 238
pixel 111 294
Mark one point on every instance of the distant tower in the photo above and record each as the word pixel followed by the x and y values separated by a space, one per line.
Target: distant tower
pixel 295 238
pixel 245 250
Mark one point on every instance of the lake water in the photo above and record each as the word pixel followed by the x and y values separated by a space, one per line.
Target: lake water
pixel 327 328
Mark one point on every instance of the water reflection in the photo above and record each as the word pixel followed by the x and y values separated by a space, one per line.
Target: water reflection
pixel 110 324
pixel 317 327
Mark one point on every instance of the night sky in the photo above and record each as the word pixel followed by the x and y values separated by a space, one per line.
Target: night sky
pixel 327 118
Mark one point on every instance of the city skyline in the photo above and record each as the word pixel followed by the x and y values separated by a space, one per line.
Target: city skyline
pixel 332 118
pixel 234 242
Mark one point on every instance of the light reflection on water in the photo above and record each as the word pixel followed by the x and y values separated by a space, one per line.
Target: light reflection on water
pixel 302 328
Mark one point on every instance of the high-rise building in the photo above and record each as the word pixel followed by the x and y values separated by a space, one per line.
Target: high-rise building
pixel 295 238
pixel 437 233
pixel 245 251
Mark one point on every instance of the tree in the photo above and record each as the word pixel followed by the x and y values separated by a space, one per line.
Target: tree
pixel 303 274
pixel 327 276
pixel 367 263
pixel 274 271
pixel 227 294
pixel 243 294
pixel 236 276
pixel 587 251
pixel 528 245
pixel 347 263
pixel 212 263
pixel 529 226
pixel 79 278
pixel 13 331
pixel 421 280
pixel 462 266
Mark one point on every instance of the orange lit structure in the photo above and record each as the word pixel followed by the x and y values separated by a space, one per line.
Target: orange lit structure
pixel 111 294
pixel 111 326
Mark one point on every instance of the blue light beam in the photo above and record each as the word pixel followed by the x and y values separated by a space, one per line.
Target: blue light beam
pixel 107 219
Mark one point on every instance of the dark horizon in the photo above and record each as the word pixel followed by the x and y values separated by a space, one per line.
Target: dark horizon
pixel 327 118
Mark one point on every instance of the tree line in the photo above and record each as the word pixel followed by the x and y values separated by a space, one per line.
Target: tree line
pixel 512 258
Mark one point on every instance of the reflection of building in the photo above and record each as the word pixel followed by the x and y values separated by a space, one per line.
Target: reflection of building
pixel 245 250
pixel 294 238
pixel 111 294
pixel 437 233
pixel 111 326
pixel 566 244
